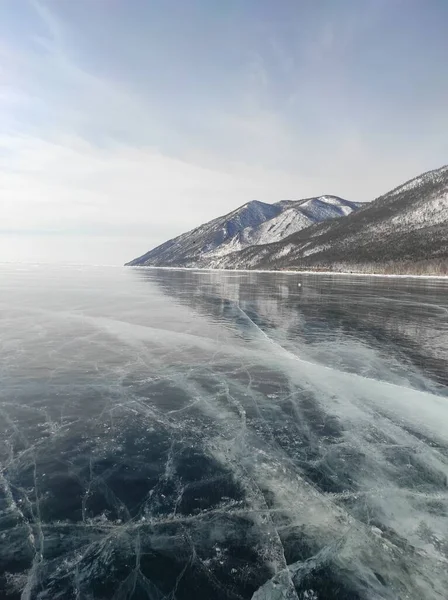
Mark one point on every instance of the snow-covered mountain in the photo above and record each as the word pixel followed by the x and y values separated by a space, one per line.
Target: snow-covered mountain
pixel 187 249
pixel 253 224
pixel 405 230
pixel 295 216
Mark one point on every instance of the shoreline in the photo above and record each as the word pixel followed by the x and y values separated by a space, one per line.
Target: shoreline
pixel 288 272
pixel 216 270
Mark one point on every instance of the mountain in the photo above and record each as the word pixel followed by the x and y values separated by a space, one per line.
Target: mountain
pixel 188 248
pixel 253 224
pixel 295 216
pixel 405 230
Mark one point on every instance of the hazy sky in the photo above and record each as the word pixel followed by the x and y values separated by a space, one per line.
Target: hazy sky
pixel 126 122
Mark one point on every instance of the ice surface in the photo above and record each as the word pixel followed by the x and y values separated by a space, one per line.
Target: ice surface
pixel 177 434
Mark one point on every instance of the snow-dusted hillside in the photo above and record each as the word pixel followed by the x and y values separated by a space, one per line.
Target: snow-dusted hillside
pixel 253 224
pixel 405 229
pixel 189 248
pixel 296 215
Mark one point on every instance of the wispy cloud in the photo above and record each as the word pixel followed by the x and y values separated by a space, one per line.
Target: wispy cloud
pixel 88 149
pixel 55 38
pixel 69 184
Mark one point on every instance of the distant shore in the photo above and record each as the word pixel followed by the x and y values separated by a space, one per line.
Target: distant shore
pixel 298 272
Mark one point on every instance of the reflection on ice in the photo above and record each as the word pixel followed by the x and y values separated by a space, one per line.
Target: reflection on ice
pixel 181 435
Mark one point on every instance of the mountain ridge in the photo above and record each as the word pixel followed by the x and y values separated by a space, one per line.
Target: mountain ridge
pixel 403 230
pixel 253 223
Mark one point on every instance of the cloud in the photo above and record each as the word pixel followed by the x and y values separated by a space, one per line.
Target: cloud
pixel 70 189
pixel 56 36
pixel 67 182
pixel 90 155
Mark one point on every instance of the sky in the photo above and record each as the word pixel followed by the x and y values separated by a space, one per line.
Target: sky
pixel 126 122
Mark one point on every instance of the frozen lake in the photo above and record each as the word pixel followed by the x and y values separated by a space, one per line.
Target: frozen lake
pixel 220 435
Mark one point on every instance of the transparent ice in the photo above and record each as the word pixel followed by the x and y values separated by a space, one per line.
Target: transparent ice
pixel 191 435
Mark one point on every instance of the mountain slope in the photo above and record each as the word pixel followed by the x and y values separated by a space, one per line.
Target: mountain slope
pixel 254 223
pixel 400 230
pixel 322 208
pixel 295 216
pixel 189 247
